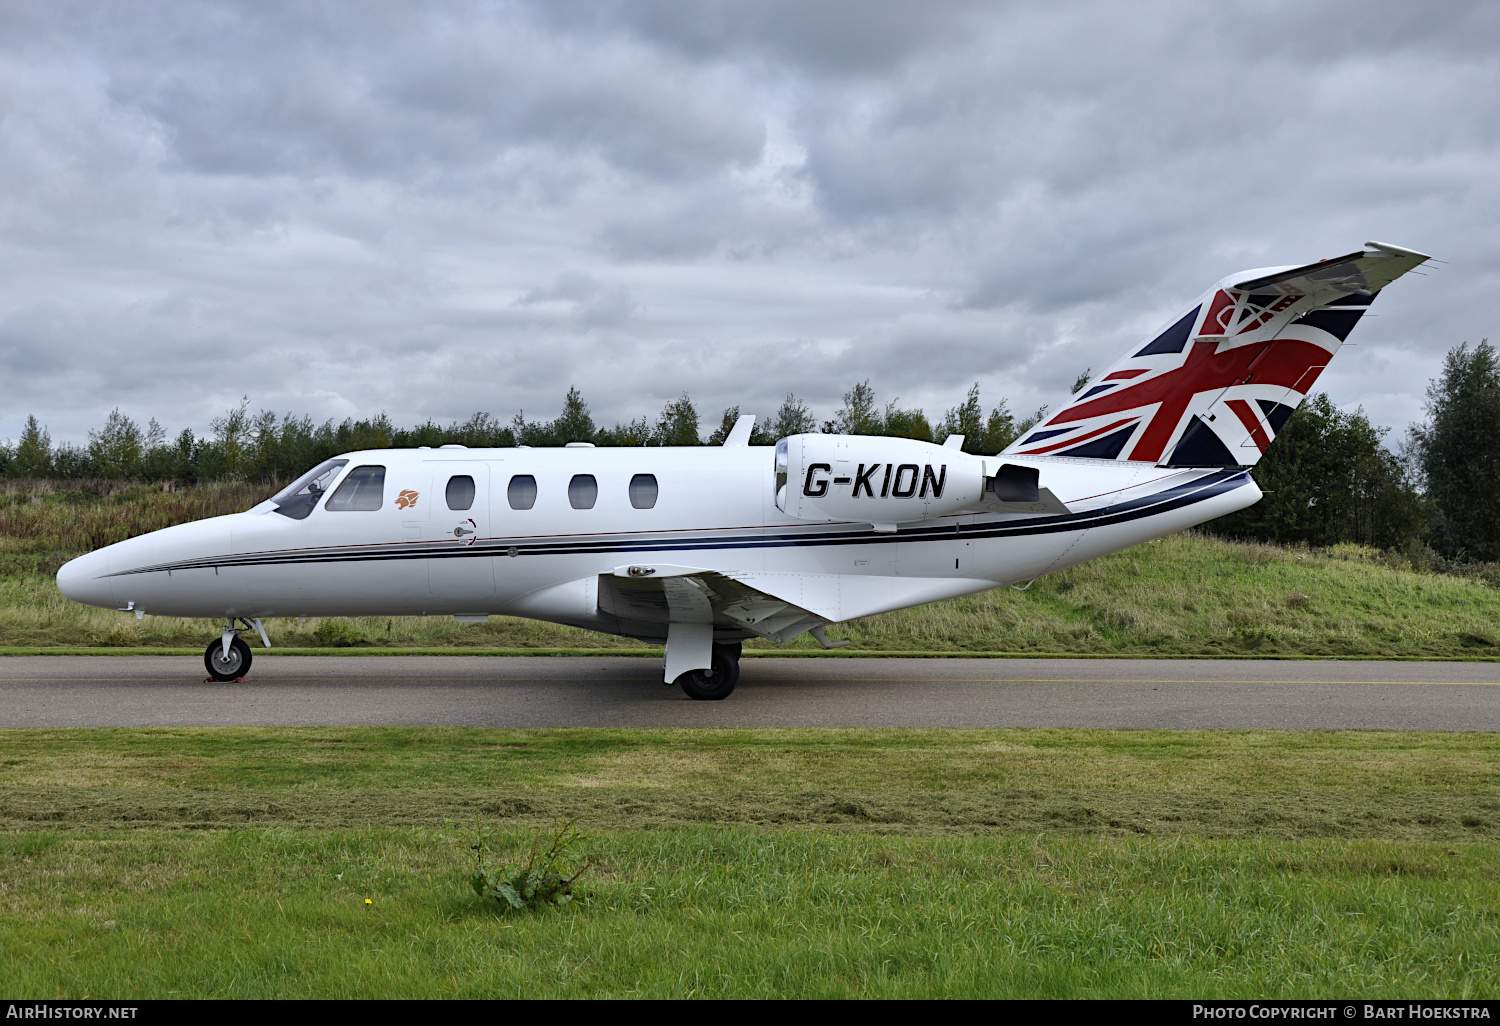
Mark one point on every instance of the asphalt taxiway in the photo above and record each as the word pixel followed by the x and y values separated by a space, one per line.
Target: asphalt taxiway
pixel 115 691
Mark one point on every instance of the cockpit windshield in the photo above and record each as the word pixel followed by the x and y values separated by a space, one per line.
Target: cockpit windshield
pixel 299 498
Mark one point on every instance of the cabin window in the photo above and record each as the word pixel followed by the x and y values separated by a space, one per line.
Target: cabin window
pixel 363 489
pixel 583 491
pixel 299 498
pixel 643 491
pixel 460 491
pixel 522 492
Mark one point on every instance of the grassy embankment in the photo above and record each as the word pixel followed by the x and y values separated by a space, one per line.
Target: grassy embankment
pixel 1185 595
pixel 773 862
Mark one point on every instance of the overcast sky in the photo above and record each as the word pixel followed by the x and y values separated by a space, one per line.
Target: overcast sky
pixel 433 209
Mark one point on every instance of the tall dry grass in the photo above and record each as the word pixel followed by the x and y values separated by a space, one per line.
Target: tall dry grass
pixel 43 523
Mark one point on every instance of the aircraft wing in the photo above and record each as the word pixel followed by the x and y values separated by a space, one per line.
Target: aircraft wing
pixel 661 595
pixel 1368 270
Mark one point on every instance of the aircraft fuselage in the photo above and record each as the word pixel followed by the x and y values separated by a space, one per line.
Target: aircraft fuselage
pixel 713 508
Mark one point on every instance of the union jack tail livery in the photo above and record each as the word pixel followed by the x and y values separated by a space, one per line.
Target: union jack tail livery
pixel 1213 388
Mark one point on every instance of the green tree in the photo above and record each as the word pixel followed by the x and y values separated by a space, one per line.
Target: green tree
pixel 1328 479
pixel 1001 429
pixel 636 432
pixel 1459 452
pixel 225 456
pixel 157 456
pixel 793 418
pixel 858 415
pixel 575 423
pixel 33 457
pixel 116 448
pixel 905 423
pixel 982 435
pixel 967 419
pixel 187 455
pixel 531 432
pixel 726 424
pixel 678 424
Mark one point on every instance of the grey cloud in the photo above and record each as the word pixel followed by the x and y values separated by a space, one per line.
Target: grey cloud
pixel 855 37
pixel 590 303
pixel 257 89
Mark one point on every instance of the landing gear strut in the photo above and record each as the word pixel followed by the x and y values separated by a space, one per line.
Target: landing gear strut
pixel 718 680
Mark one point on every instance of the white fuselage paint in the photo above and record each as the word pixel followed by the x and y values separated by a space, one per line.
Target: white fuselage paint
pixel 715 510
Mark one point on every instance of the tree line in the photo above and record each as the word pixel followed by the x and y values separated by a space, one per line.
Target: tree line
pixel 1329 477
pixel 265 448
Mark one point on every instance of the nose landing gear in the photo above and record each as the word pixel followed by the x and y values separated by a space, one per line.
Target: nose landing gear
pixel 228 658
pixel 229 666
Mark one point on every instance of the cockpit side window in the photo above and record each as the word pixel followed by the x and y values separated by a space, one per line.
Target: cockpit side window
pixel 299 498
pixel 363 489
pixel 460 492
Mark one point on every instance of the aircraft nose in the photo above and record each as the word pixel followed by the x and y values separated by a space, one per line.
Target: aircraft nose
pixel 86 579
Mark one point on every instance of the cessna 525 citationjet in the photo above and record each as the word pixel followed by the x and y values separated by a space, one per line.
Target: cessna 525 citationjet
pixel 702 548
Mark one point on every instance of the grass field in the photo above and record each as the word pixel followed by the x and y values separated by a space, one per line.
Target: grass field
pixel 768 862
pixel 1184 595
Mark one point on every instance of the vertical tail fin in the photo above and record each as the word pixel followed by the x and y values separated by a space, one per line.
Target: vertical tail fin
pixel 1215 387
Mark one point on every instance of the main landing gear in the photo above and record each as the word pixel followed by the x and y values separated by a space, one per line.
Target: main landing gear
pixel 718 680
pixel 228 658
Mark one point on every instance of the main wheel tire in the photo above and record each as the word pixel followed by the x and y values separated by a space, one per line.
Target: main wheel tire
pixel 226 669
pixel 731 651
pixel 715 683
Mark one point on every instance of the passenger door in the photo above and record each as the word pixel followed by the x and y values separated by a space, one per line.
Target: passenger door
pixel 460 567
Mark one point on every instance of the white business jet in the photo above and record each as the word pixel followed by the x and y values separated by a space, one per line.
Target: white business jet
pixel 702 548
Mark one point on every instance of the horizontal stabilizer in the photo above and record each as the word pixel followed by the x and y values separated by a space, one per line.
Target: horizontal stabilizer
pixel 1368 270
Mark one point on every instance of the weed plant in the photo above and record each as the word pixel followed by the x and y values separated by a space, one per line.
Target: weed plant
pixel 545 876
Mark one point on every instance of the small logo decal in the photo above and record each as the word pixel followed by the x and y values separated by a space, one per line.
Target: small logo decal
pixel 407 499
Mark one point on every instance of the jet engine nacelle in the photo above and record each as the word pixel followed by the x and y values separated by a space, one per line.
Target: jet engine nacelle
pixel 875 479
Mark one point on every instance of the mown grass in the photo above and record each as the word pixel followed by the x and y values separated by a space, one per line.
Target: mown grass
pixel 210 862
pixel 304 758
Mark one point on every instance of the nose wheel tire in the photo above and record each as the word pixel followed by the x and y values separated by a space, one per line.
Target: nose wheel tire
pixel 717 681
pixel 223 668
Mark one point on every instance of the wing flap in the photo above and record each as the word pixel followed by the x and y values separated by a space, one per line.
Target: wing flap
pixel 660 595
